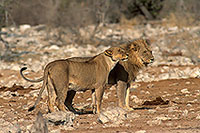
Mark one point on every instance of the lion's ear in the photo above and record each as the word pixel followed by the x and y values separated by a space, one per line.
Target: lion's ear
pixel 135 47
pixel 108 52
pixel 148 42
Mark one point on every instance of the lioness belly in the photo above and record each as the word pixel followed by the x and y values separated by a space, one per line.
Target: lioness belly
pixel 76 87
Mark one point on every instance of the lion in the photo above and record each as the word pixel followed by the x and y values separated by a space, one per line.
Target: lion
pixel 124 73
pixel 61 76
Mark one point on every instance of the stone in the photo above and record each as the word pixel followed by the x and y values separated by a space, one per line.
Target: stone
pixel 53 47
pixel 198 117
pixel 61 118
pixel 185 91
pixel 185 113
pixel 113 114
pixel 195 73
pixel 141 131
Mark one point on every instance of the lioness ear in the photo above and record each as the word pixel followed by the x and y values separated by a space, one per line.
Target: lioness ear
pixel 108 52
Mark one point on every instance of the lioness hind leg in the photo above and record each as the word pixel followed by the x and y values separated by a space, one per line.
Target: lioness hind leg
pixel 61 91
pixel 69 99
pixel 51 97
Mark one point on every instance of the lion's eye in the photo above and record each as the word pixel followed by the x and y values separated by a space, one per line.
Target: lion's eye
pixel 145 52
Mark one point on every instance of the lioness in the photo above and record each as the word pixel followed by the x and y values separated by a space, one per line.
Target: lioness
pixel 140 55
pixel 65 75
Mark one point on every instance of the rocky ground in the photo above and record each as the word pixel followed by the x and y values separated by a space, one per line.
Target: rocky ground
pixel 165 96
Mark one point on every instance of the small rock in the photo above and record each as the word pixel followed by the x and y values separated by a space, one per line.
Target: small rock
pixel 185 113
pixel 198 117
pixel 113 114
pixel 169 124
pixel 187 83
pixel 163 118
pixel 24 27
pixel 136 99
pixel 151 111
pixel 103 118
pixel 55 131
pixel 60 117
pixel 154 122
pixel 141 131
pixel 185 91
pixel 195 73
pixel 189 105
pixel 172 109
pixel 164 76
pixel 54 47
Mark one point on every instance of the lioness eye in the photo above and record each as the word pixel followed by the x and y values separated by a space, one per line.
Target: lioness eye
pixel 145 52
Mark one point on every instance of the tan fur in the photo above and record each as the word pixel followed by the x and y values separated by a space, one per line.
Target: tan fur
pixel 61 76
pixel 125 72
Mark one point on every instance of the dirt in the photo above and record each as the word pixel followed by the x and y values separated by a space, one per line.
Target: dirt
pixel 163 106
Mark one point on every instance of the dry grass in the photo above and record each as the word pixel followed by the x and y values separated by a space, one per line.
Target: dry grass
pixel 180 21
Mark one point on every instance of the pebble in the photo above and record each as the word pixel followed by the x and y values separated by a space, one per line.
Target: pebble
pixel 198 117
pixel 185 113
pixel 141 131
pixel 185 91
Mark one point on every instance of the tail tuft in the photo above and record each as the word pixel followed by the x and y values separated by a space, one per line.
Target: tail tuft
pixel 23 68
pixel 31 108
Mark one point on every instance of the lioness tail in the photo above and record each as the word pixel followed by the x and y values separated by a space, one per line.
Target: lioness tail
pixel 30 80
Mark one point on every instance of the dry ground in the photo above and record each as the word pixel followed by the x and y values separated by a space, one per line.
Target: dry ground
pixel 178 112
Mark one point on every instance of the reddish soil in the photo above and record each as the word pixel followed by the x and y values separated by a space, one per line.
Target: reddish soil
pixel 159 99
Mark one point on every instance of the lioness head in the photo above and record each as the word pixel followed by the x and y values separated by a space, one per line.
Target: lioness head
pixel 140 52
pixel 116 54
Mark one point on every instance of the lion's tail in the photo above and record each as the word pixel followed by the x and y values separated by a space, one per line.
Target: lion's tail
pixel 45 81
pixel 30 80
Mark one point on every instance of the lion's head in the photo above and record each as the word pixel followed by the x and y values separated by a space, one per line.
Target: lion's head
pixel 139 52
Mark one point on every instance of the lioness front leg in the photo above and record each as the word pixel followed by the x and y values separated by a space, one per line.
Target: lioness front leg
pixel 99 95
pixel 94 107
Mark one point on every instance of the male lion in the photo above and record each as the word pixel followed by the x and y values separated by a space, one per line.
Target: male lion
pixel 140 55
pixel 65 75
